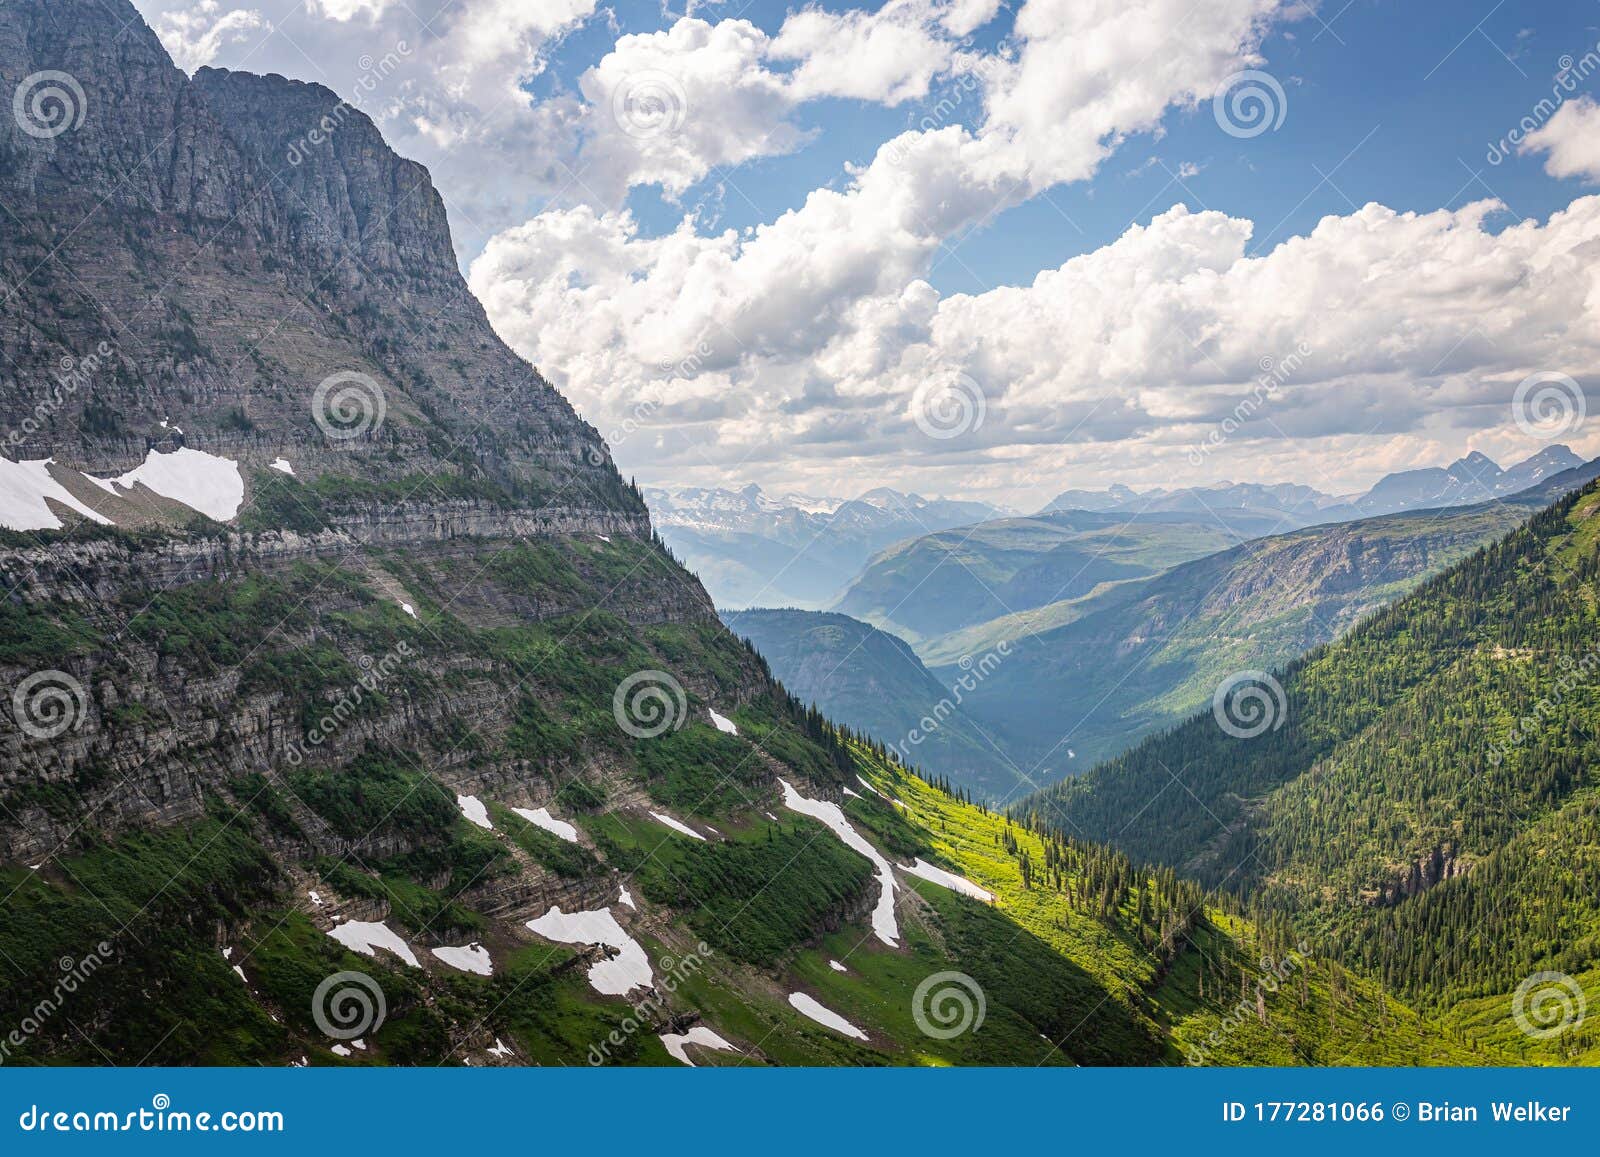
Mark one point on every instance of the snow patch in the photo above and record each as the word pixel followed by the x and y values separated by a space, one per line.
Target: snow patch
pixel 823 1015
pixel 315 899
pixel 698 1035
pixel 837 967
pixel 724 723
pixel 282 464
pixel 366 937
pixel 627 898
pixel 340 1051
pixel 852 794
pixel 500 1050
pixel 677 825
pixel 540 817
pixel 627 970
pixel 883 919
pixel 200 481
pixel 926 871
pixel 24 486
pixel 473 808
pixel 472 958
pixel 242 976
pixel 409 609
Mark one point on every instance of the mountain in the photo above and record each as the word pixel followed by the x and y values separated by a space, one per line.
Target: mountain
pixel 1087 677
pixel 1473 478
pixel 1424 791
pixel 1289 504
pixel 339 740
pixel 929 586
pixel 873 682
pixel 751 549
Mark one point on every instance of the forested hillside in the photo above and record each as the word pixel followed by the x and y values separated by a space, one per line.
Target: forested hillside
pixel 1420 793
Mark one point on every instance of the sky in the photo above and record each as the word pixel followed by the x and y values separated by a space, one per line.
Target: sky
pixel 998 249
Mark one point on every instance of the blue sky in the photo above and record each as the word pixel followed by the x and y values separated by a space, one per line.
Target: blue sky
pixel 762 242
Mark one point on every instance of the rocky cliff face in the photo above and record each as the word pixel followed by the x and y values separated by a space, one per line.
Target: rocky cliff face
pixel 188 260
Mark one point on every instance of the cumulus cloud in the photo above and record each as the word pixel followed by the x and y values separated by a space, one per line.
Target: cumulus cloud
pixel 1406 320
pixel 1570 141
pixel 195 35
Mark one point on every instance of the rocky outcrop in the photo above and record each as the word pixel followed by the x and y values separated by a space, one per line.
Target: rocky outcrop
pixel 205 253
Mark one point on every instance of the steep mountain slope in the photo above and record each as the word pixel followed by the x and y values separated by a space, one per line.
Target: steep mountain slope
pixel 1090 676
pixel 938 583
pixel 872 682
pixel 753 550
pixel 1423 790
pixel 421 749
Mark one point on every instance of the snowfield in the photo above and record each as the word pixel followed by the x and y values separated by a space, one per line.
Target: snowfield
pixel 473 808
pixel 24 486
pixel 627 970
pixel 926 871
pixel 366 938
pixel 540 817
pixel 724 724
pixel 468 958
pixel 200 481
pixel 823 1015
pixel 698 1035
pixel 883 918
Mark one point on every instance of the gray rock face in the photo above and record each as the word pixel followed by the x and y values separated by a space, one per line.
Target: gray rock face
pixel 206 252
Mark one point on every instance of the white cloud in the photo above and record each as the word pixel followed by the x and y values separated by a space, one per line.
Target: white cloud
pixel 196 34
pixel 1570 140
pixel 1415 323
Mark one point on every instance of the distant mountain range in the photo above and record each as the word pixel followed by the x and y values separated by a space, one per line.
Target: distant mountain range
pixel 1085 675
pixel 1474 478
pixel 750 549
